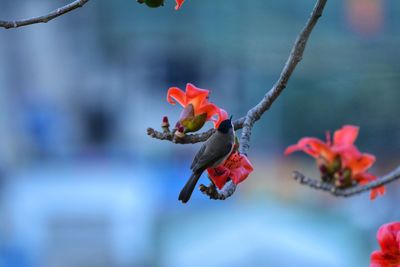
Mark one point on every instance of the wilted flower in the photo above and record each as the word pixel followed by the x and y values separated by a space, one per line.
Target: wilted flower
pixel 236 168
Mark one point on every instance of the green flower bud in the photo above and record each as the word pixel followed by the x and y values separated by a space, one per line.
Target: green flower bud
pixel 187 113
pixel 189 121
pixel 194 124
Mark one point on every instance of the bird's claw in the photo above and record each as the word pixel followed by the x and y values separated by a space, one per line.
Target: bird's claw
pixel 211 191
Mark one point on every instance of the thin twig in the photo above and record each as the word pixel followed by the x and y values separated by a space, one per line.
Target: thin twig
pixel 45 18
pixel 189 138
pixel 347 192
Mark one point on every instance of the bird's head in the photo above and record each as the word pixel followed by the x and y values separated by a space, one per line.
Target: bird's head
pixel 225 126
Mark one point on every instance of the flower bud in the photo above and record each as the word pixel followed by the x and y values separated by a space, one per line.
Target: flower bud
pixel 195 123
pixel 165 122
pixel 180 133
pixel 323 169
pixel 191 122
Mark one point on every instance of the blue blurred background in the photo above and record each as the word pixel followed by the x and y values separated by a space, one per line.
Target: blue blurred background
pixel 82 185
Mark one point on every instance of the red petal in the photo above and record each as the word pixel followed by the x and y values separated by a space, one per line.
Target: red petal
pixel 240 174
pixel 196 96
pixel 313 147
pixel 237 167
pixel 359 164
pixel 365 178
pixel 345 136
pixel 376 192
pixel 179 3
pixel 178 95
pixel 213 111
pixel 218 175
pixel 373 194
pixel 387 238
pixel 209 108
pixel 378 260
pixel 222 115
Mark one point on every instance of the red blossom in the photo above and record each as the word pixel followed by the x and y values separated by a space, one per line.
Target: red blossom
pixel 195 100
pixel 179 3
pixel 389 240
pixel 237 168
pixel 340 161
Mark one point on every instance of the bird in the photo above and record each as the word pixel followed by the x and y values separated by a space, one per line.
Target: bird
pixel 214 151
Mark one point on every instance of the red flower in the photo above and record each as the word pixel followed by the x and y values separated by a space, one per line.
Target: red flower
pixel 179 3
pixel 389 240
pixel 340 162
pixel 237 168
pixel 197 108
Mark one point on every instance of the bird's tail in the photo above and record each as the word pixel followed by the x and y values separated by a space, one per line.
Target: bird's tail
pixel 187 190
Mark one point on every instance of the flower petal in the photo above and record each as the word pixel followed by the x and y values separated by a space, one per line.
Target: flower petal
pixel 378 260
pixel 358 164
pixel 387 238
pixel 222 115
pixel 196 96
pixel 218 175
pixel 365 178
pixel 209 108
pixel 313 147
pixel 179 3
pixel 240 173
pixel 178 95
pixel 376 192
pixel 345 136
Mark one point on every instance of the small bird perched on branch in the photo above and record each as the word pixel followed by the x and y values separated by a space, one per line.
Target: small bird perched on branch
pixel 212 153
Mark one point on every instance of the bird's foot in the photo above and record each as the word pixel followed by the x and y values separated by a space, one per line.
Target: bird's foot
pixel 211 191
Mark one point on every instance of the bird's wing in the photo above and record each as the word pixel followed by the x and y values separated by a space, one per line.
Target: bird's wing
pixel 208 155
pixel 198 155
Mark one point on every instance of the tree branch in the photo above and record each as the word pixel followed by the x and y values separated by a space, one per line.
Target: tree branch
pixel 257 111
pixel 189 138
pixel 213 193
pixel 347 192
pixel 45 18
pixel 295 57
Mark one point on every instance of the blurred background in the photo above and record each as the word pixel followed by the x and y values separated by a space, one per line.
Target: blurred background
pixel 82 185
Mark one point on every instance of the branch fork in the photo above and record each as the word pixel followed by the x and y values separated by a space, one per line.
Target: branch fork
pixel 254 114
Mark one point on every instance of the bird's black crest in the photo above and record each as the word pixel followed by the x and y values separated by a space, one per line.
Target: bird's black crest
pixel 225 126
